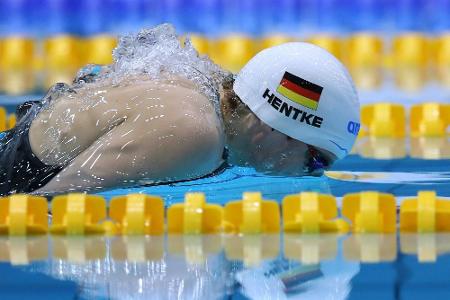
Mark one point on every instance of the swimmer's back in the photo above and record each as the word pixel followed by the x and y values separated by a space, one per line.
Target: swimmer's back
pixel 149 130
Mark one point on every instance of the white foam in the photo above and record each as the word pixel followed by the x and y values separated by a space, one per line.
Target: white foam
pixel 158 51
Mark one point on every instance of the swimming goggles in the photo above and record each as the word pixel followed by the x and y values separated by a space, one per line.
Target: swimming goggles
pixel 316 162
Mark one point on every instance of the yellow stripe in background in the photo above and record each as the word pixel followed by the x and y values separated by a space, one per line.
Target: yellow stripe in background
pixel 297 98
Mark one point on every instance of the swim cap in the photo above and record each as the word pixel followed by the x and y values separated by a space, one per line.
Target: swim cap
pixel 304 92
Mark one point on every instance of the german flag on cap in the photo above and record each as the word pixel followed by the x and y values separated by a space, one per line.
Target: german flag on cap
pixel 300 90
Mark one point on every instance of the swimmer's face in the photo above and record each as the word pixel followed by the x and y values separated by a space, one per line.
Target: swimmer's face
pixel 255 144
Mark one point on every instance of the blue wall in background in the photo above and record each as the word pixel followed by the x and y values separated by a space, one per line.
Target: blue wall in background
pixel 40 18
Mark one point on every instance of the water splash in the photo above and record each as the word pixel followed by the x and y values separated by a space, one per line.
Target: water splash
pixel 158 51
pixel 81 118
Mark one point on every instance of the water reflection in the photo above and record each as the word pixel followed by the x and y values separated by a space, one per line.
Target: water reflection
pixel 252 249
pixel 371 248
pixel 137 248
pixel 23 250
pixel 433 148
pixel 381 148
pixel 427 247
pixel 78 249
pixel 220 266
pixel 430 148
pixel 310 249
pixel 194 248
pixel 139 267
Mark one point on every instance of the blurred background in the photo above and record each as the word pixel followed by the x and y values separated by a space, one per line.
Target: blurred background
pixel 394 49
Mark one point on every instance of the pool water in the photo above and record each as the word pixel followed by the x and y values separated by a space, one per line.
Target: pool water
pixel 401 177
pixel 294 266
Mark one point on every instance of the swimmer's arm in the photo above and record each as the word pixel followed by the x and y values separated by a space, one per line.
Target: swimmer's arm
pixel 184 151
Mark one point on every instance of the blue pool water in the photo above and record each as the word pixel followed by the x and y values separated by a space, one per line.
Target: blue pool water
pixel 270 267
pixel 398 266
pixel 245 267
pixel 401 177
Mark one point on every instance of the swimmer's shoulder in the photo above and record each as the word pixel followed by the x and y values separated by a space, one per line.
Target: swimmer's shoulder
pixel 184 122
pixel 176 94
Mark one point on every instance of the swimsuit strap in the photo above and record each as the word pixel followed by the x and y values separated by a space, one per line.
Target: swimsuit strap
pixel 21 171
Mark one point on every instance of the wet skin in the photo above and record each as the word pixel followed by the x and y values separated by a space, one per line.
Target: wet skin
pixel 138 132
pixel 143 132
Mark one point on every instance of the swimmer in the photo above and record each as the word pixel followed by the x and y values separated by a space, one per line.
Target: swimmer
pixel 161 114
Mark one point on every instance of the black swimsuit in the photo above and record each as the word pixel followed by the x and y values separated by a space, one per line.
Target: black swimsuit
pixel 20 170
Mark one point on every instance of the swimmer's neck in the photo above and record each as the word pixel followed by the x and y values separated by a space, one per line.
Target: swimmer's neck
pixel 234 112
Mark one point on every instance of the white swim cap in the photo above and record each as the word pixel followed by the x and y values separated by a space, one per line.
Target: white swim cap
pixel 304 92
